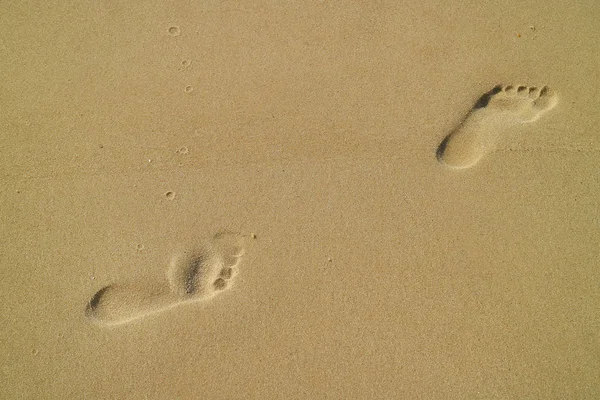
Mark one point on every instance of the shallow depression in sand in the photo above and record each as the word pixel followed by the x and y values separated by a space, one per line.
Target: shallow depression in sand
pixel 195 274
pixel 501 109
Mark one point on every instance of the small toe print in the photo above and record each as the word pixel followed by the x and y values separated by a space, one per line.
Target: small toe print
pixel 522 90
pixel 545 91
pixel 220 284
pixel 534 92
pixel 226 273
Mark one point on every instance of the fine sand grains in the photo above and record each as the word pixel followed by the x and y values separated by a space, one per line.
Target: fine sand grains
pixel 195 274
pixel 500 109
pixel 202 271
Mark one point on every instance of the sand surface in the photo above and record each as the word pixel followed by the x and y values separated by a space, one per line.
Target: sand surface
pixel 242 200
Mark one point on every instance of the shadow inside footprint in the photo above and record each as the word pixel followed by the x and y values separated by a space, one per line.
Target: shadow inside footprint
pixel 485 99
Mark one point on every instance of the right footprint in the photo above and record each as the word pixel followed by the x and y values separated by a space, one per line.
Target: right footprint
pixel 196 274
pixel 500 109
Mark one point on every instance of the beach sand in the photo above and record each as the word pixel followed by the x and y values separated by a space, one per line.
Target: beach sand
pixel 275 200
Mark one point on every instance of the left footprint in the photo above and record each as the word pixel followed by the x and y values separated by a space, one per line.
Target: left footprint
pixel 196 274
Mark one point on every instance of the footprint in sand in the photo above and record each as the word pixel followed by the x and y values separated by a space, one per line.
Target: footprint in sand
pixel 194 275
pixel 500 109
